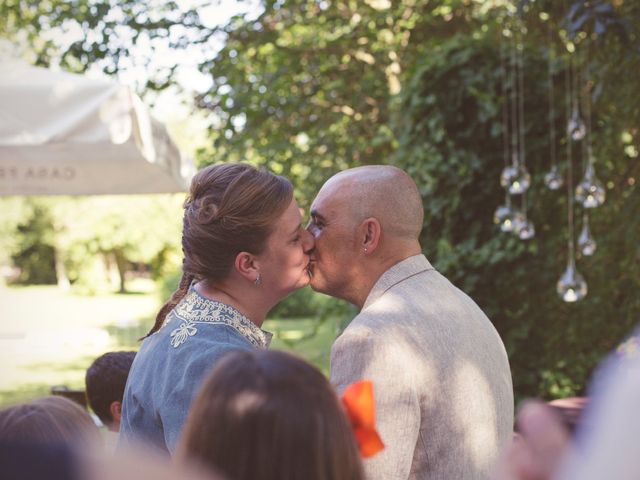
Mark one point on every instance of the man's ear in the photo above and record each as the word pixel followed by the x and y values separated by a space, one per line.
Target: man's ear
pixel 246 265
pixel 370 232
pixel 116 411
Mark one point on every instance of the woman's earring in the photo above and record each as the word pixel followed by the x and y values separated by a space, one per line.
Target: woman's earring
pixel 257 281
pixel 365 249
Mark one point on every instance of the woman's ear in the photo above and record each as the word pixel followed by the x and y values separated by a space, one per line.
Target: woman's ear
pixel 246 266
pixel 370 234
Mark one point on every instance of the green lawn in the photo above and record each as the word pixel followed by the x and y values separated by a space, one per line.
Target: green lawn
pixel 49 337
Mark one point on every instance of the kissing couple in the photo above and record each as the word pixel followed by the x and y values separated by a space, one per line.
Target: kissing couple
pixel 443 389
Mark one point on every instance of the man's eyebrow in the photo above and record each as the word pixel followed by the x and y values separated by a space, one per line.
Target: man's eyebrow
pixel 315 215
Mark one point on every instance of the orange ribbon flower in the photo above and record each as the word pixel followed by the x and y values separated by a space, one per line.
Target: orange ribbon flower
pixel 360 405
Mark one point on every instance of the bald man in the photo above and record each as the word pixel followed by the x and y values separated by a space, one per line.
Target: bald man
pixel 444 398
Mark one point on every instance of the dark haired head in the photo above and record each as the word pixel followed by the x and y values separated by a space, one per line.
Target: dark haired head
pixel 105 381
pixel 267 415
pixel 570 411
pixel 231 208
pixel 48 421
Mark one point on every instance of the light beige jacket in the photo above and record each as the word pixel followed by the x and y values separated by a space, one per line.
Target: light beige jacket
pixel 444 397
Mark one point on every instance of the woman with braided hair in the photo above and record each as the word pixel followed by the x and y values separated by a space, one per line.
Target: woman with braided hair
pixel 244 251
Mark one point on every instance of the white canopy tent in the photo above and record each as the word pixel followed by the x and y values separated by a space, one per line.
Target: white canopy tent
pixel 62 133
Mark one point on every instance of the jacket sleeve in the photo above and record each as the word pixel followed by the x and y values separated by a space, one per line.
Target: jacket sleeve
pixel 174 408
pixel 185 388
pixel 359 354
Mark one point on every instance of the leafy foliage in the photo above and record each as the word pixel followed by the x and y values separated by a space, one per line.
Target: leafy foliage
pixel 449 131
pixel 303 89
pixel 79 33
pixel 92 236
pixel 311 87
pixel 34 254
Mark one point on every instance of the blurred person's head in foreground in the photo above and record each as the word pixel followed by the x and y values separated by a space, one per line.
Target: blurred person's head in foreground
pixel 141 463
pixel 37 461
pixel 49 421
pixel 264 415
pixel 104 382
pixel 570 411
pixel 604 444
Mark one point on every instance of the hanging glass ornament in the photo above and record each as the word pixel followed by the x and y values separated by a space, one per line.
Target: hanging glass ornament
pixel 503 217
pixel 576 128
pixel 519 220
pixel 527 230
pixel 516 179
pixel 590 191
pixel 553 179
pixel 521 182
pixel 507 176
pixel 522 226
pixel 585 241
pixel 571 287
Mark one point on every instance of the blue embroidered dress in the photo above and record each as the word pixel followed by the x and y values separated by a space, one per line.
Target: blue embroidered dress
pixel 173 362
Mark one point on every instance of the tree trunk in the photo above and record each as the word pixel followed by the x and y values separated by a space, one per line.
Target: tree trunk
pixel 113 276
pixel 121 263
pixel 61 271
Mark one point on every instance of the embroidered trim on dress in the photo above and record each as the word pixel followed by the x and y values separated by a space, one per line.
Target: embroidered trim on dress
pixel 194 309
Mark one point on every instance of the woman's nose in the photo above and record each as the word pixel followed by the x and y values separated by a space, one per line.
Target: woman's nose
pixel 308 241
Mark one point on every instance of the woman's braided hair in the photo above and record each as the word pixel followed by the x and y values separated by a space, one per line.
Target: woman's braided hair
pixel 231 208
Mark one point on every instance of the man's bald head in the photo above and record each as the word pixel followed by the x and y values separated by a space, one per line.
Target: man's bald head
pixel 364 220
pixel 381 191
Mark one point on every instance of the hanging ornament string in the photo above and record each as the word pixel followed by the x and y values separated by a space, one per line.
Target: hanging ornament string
pixel 503 215
pixel 575 88
pixel 505 93
pixel 580 92
pixel 521 154
pixel 505 114
pixel 586 245
pixel 568 79
pixel 587 92
pixel 552 125
pixel 525 228
pixel 520 58
pixel 584 106
pixel 553 179
pixel 516 178
pixel 590 192
pixel 575 124
pixel 571 286
pixel 514 99
pixel 586 95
